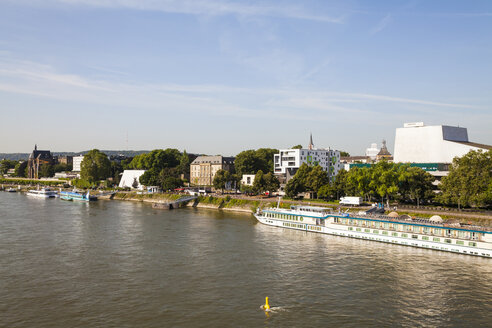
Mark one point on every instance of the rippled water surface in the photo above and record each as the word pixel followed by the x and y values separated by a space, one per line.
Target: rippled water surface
pixel 123 264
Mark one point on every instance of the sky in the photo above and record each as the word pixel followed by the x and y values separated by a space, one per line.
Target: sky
pixel 219 77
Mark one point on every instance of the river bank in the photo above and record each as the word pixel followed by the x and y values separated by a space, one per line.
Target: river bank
pixel 208 202
pixel 227 203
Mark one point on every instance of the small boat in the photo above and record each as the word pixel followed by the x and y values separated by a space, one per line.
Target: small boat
pixel 11 190
pixel 43 193
pixel 70 195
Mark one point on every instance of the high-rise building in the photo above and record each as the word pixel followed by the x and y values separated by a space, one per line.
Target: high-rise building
pixel 288 161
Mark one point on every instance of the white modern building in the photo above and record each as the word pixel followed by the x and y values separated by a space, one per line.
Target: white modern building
pixel 372 152
pixel 288 161
pixel 418 143
pixel 131 179
pixel 77 160
pixel 248 180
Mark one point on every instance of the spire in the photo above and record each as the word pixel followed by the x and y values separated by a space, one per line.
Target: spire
pixel 35 147
pixel 311 144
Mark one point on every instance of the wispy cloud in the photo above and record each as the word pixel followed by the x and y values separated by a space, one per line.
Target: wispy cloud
pixel 203 7
pixel 383 23
pixel 466 15
pixel 23 77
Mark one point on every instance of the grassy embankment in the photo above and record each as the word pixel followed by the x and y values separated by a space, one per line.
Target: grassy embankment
pixel 201 201
pixel 25 182
pixel 228 203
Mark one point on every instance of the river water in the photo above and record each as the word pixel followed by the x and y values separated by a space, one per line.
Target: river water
pixel 124 264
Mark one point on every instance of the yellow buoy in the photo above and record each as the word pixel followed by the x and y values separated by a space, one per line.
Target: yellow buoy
pixel 266 306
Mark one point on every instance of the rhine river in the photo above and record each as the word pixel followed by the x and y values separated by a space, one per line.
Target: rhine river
pixel 124 264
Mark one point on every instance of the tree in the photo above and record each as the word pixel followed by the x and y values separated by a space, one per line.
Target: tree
pixel 150 178
pixel 95 166
pixel 154 163
pixel 265 159
pixel 317 178
pixel 294 187
pixel 6 165
pixel 259 185
pixel 327 191
pixel 116 170
pixel 297 147
pixel 184 163
pixel 265 182
pixel 384 180
pixel 20 169
pixel 302 174
pixel 156 159
pixel 46 171
pixel 271 182
pixel 415 183
pixel 62 167
pixel 221 178
pixel 469 182
pixel 358 182
pixel 169 179
pixel 245 189
pixel 344 154
pixel 251 161
pixel 339 183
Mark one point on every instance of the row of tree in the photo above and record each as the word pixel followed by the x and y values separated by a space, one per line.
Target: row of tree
pixel 383 181
pixel 164 168
pixel 469 182
pixel 253 161
pixel 262 183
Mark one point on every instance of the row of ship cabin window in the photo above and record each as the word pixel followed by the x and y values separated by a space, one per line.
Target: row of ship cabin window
pixel 404 235
pixel 284 216
pixel 411 228
pixel 293 225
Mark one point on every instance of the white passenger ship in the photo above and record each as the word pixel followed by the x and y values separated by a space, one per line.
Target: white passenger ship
pixel 43 193
pixel 463 239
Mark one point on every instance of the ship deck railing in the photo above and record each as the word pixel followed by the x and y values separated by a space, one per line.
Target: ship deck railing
pixel 422 221
pixel 419 221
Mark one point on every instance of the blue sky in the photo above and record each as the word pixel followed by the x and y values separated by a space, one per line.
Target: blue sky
pixel 218 77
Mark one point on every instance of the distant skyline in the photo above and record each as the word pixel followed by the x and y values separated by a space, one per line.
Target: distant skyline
pixel 219 77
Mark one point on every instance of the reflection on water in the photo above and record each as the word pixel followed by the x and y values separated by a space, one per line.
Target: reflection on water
pixel 122 264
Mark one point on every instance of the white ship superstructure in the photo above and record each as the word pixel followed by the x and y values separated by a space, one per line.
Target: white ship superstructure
pixel 43 193
pixel 464 239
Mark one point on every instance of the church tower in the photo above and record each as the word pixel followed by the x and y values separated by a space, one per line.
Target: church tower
pixel 311 145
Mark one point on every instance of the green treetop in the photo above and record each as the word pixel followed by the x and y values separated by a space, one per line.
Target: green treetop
pixel 95 166
pixel 469 182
